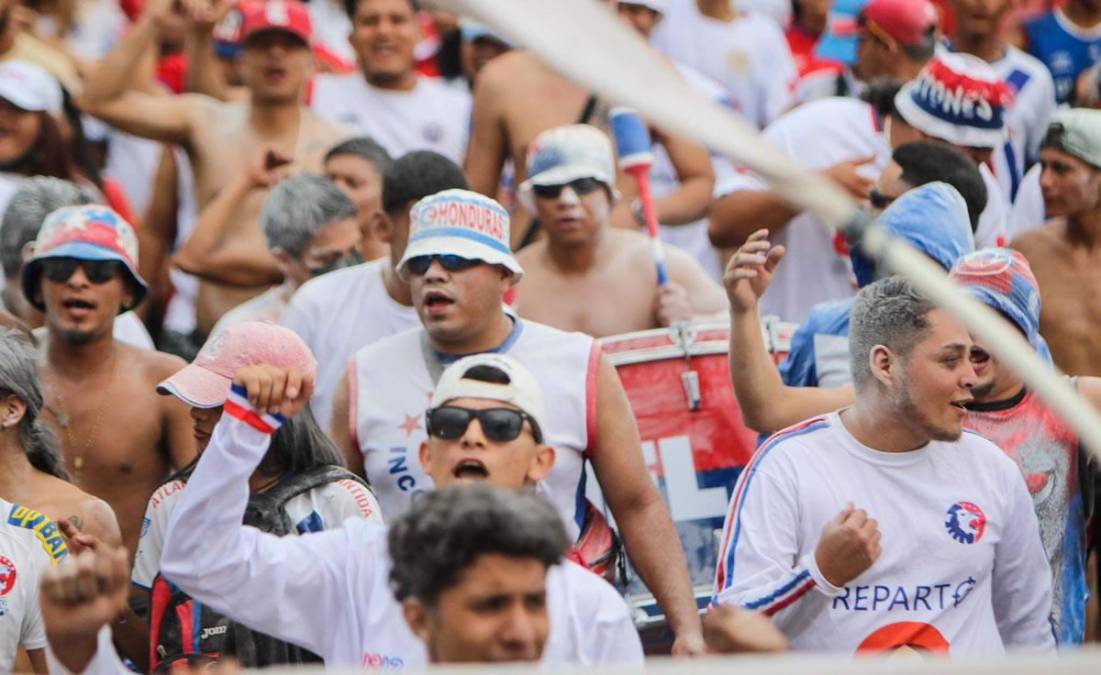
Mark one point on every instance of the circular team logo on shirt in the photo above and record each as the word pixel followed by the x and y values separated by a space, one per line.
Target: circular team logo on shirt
pixel 7 575
pixel 966 522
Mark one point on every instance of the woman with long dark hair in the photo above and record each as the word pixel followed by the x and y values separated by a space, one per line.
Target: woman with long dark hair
pixel 41 135
pixel 32 473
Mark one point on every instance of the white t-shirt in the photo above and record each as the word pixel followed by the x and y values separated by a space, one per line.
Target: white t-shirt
pixel 339 313
pixel 817 135
pixel 748 57
pixel 322 508
pixel 962 568
pixel 268 306
pixel 1027 118
pixel 431 116
pixel 329 592
pixel 22 562
pixel 1028 211
pixel 992 230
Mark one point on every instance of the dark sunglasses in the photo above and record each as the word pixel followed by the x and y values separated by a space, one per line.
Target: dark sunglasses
pixel 500 425
pixel 580 186
pixel 60 270
pixel 879 200
pixel 452 263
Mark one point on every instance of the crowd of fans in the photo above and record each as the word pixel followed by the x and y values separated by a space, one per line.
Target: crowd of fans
pixel 303 306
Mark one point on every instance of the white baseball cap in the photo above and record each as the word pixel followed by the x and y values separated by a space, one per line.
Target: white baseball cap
pixel 462 223
pixel 29 87
pixel 521 391
pixel 564 154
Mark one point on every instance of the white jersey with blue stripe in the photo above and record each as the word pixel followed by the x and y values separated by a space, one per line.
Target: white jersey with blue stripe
pixel 962 569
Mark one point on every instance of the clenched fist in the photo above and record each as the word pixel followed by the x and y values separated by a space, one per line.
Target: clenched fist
pixel 848 546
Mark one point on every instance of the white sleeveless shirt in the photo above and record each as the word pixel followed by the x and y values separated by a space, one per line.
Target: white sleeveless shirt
pixel 391 388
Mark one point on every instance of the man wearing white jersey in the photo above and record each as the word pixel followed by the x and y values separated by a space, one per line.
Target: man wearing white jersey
pixel 841 137
pixel 388 100
pixel 339 313
pixel 884 526
pixel 979 31
pixel 459 268
pixel 744 51
pixel 330 592
pixel 23 559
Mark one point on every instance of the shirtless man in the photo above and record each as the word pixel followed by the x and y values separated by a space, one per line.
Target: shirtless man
pixel 118 437
pixel 221 138
pixel 33 473
pixel 517 97
pixel 584 275
pixel 1066 254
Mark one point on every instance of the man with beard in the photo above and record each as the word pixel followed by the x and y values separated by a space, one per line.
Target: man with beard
pixel 883 526
pixel 1066 253
pixel 119 438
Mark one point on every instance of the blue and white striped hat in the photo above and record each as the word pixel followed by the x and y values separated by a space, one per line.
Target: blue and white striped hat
pixel 957 98
pixel 462 223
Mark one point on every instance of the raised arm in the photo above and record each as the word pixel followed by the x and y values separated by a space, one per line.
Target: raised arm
pixel 204 73
pixel 290 588
pixel 488 148
pixel 644 521
pixel 111 93
pixel 209 254
pixel 767 404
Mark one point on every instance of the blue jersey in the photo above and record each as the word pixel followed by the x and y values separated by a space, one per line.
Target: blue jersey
pixel 1065 49
pixel 819 354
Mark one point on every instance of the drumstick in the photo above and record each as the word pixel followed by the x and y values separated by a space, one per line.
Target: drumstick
pixel 632 142
pixel 588 44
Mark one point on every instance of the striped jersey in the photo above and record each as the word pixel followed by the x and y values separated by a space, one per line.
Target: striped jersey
pixel 962 569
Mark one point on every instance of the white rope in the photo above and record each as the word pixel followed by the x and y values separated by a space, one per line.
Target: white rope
pixel 588 44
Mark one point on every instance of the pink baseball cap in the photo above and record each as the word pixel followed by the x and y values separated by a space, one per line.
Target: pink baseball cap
pixel 205 382
pixel 906 21
pixel 289 16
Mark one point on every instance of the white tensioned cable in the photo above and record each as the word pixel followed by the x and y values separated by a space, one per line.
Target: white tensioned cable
pixel 587 43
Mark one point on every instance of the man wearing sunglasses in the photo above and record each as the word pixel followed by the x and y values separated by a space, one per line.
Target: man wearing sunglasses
pixel 459 267
pixel 586 275
pixel 330 592
pixel 118 437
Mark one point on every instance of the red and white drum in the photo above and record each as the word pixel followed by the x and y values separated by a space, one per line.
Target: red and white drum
pixel 693 440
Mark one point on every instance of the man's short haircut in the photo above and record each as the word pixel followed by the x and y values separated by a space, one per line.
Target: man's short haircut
pixel 925 162
pixel 350 7
pixel 299 207
pixel 445 532
pixel 364 147
pixel 35 199
pixel 414 176
pixel 889 312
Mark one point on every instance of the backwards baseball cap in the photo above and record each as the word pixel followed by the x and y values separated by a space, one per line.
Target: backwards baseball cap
pixel 289 16
pixel 29 87
pixel 958 98
pixel 205 382
pixel 521 391
pixel 907 22
pixel 564 154
pixel 932 218
pixel 90 232
pixel 1076 131
pixel 1002 279
pixel 462 223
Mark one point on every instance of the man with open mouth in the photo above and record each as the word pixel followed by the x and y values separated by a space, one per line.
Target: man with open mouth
pixel 884 525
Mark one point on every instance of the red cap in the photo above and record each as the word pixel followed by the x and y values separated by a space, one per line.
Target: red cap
pixel 290 16
pixel 905 21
